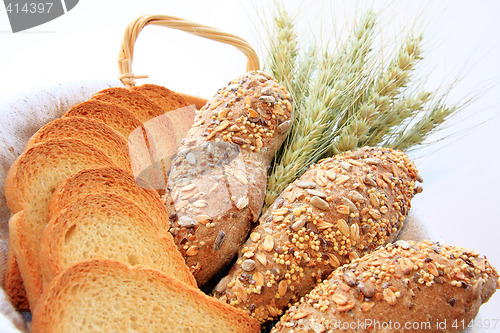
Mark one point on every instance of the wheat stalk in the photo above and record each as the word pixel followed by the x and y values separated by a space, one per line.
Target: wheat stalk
pixel 326 86
pixel 419 129
pixel 388 87
pixel 348 98
pixel 283 50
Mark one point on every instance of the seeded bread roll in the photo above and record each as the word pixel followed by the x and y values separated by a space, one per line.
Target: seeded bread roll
pixel 218 177
pixel 338 210
pixel 406 286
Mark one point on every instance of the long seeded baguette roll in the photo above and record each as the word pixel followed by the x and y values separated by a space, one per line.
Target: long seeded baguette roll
pixel 89 131
pixel 218 177
pixel 405 286
pixel 338 210
pixel 102 295
pixel 109 226
pixel 109 180
pixel 28 187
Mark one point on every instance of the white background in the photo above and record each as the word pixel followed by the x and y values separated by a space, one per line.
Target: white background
pixel 462 181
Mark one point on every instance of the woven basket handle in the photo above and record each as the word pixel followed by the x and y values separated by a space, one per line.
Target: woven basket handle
pixel 134 28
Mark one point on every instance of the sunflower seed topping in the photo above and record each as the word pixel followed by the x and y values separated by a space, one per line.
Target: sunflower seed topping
pixel 350 204
pixel 284 126
pixel 316 193
pixel 267 99
pixel 319 203
pixel 309 185
pixel 299 224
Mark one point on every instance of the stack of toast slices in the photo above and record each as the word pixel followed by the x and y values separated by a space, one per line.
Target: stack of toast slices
pixel 89 244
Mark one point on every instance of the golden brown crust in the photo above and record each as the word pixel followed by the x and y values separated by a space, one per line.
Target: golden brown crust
pixel 408 286
pixel 138 238
pixel 29 185
pixel 139 105
pixel 89 131
pixel 218 176
pixel 76 283
pixel 111 117
pixel 27 264
pixel 338 210
pixel 108 180
pixel 13 284
pixel 115 116
pixel 34 160
pixel 164 97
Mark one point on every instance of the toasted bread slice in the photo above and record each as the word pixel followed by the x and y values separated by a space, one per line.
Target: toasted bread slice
pixel 162 96
pixel 13 283
pixel 109 180
pixel 109 226
pixel 87 130
pixel 117 117
pixel 102 295
pixel 165 133
pixel 28 187
pixel 139 105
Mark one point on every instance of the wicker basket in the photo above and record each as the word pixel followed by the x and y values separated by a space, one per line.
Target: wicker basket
pixel 132 31
pixel 128 78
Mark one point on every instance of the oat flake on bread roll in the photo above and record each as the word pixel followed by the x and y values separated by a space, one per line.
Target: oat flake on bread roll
pixel 218 177
pixel 338 210
pixel 405 286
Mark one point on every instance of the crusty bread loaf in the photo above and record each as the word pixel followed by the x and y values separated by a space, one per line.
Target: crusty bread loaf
pixel 106 225
pixel 109 180
pixel 338 210
pixel 28 187
pixel 102 295
pixel 115 116
pixel 165 98
pixel 402 287
pixel 139 105
pixel 219 175
pixel 89 131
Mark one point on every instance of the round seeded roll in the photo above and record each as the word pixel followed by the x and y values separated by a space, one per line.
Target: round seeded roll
pixel 405 286
pixel 218 177
pixel 338 210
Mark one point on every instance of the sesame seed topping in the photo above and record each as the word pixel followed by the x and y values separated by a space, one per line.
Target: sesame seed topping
pixel 331 216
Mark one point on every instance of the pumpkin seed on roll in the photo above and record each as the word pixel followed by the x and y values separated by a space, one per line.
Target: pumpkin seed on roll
pixel 340 209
